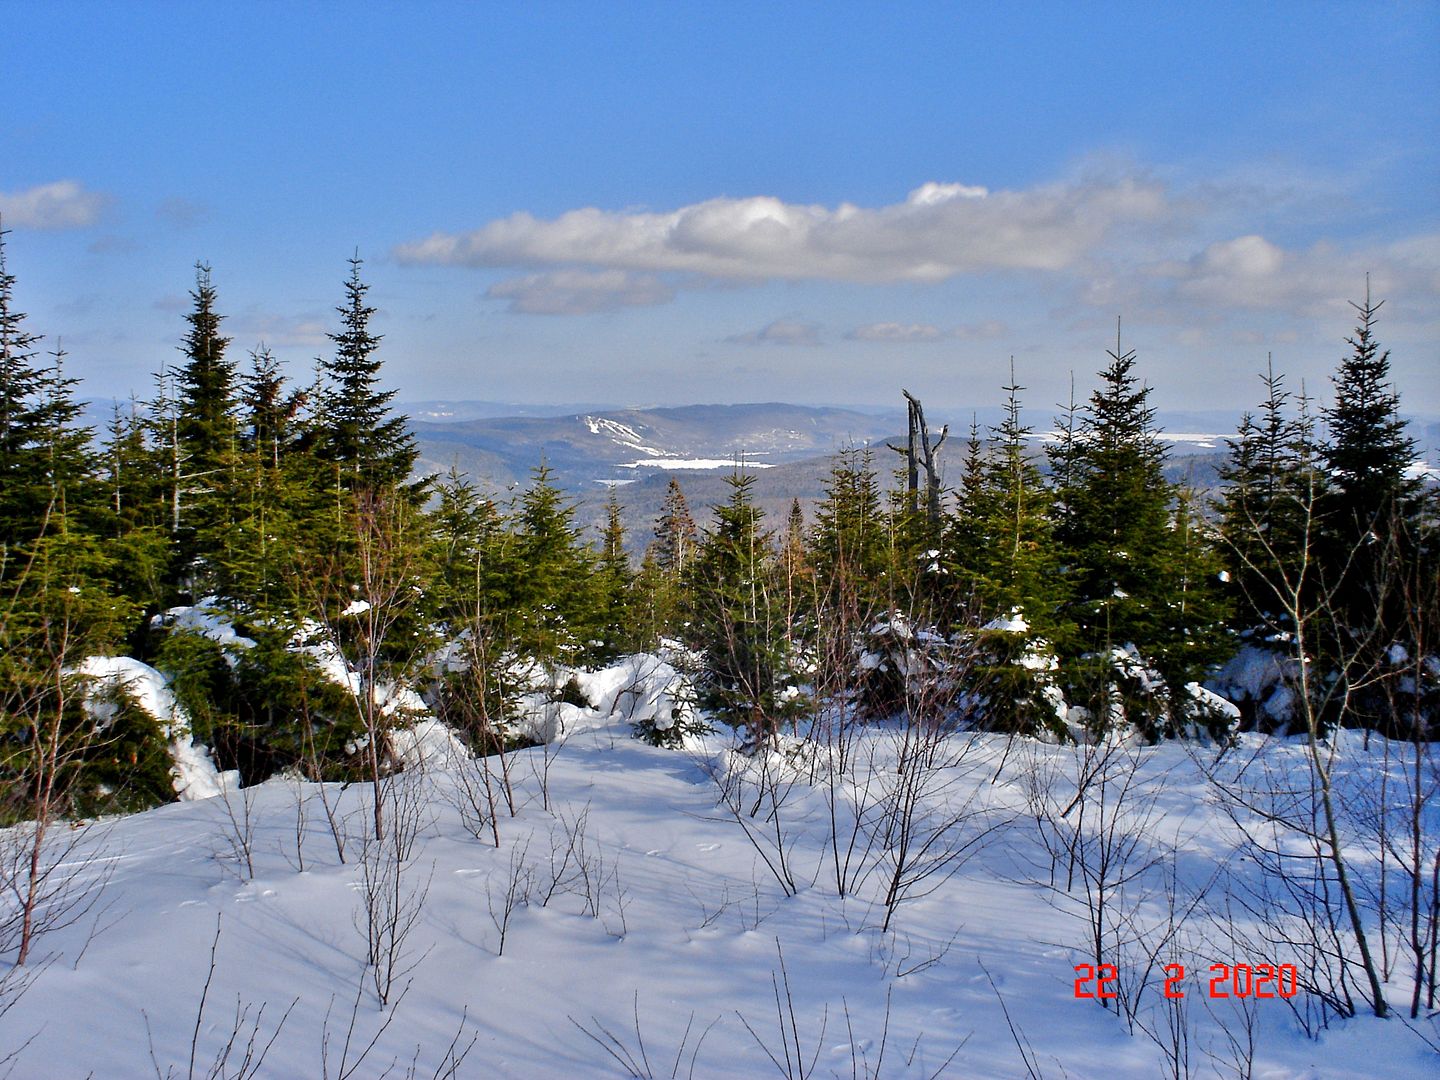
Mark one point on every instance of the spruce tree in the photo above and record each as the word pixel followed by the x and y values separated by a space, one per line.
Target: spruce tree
pixel 24 488
pixel 364 446
pixel 205 387
pixel 194 417
pixel 1137 611
pixel 1371 523
pixel 1274 488
pixel 552 604
pixel 1371 497
pixel 966 544
pixel 618 630
pixel 47 468
pixel 849 549
pixel 675 533
pixel 1015 586
pixel 275 491
pixel 738 622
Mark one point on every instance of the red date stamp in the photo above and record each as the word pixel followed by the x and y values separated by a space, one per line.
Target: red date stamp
pixel 1097 981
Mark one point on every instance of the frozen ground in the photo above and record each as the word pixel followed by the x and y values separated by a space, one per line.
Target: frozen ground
pixel 646 918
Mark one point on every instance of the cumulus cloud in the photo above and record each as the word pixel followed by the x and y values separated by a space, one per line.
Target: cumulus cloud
pixel 894 331
pixel 580 292
pixel 937 232
pixel 780 332
pixel 63 204
pixel 1252 272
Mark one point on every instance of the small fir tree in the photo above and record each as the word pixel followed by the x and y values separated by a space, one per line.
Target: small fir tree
pixel 364 446
pixel 749 680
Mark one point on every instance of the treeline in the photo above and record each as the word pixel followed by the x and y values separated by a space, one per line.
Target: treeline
pixel 343 593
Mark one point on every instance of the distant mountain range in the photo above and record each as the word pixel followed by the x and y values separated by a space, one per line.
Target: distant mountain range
pixel 636 451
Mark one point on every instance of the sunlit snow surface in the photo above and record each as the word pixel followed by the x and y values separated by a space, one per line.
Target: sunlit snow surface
pixel 686 928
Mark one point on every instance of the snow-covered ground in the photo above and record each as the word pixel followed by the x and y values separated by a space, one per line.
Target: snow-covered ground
pixel 648 930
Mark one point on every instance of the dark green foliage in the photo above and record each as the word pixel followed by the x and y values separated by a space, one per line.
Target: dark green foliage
pixel 471 557
pixel 849 549
pixel 205 388
pixel 737 620
pixel 619 631
pixel 201 680
pixel 1012 681
pixel 552 608
pixel 46 464
pixel 1136 573
pixel 1370 502
pixel 1268 511
pixel 364 446
pixel 288 712
pixel 1370 522
pixel 126 767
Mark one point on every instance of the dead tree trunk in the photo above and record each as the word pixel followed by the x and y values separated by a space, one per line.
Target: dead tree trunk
pixel 925 458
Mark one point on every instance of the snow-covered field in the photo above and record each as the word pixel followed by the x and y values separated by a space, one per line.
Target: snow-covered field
pixel 630 924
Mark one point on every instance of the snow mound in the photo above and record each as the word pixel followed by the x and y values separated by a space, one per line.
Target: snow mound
pixel 193 773
pixel 208 619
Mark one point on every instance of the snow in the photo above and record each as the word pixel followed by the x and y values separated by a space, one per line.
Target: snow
pixel 623 434
pixel 667 915
pixel 192 773
pixel 1014 623
pixel 696 463
pixel 209 619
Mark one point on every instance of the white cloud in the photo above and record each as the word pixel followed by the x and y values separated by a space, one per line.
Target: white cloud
pixel 780 332
pixel 1253 273
pixel 913 332
pixel 937 232
pixel 892 331
pixel 580 292
pixel 63 204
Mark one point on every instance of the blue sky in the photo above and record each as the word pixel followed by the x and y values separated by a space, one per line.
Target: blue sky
pixel 670 203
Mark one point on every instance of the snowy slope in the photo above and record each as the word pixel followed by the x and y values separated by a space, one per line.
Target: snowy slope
pixel 663 917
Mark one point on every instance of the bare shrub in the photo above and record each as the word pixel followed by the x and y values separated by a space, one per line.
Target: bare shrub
pixel 635 1060
pixel 392 897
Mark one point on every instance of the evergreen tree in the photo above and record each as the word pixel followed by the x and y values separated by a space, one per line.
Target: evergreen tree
pixel 675 533
pixel 849 548
pixel 966 543
pixel 194 417
pixel 1371 525
pixel 738 622
pixel 617 600
pixel 1016 586
pixel 205 387
pixel 467 528
pixel 363 445
pixel 24 487
pixel 47 469
pixel 1367 457
pixel 552 604
pixel 275 492
pixel 1133 605
pixel 1274 489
